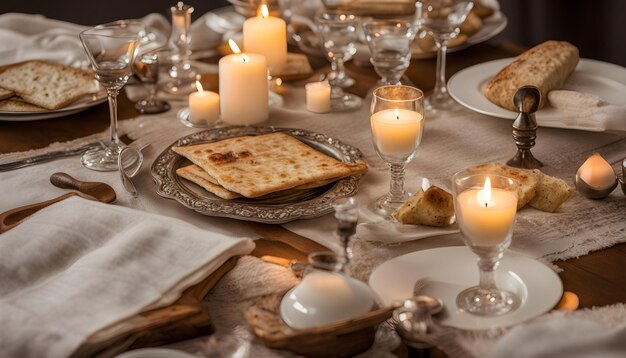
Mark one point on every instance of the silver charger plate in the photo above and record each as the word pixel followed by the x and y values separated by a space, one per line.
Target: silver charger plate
pixel 274 208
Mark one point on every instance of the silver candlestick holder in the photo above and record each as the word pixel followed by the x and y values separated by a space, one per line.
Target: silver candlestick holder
pixel 181 72
pixel 527 99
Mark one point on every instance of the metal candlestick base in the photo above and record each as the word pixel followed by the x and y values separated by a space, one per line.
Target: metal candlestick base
pixel 527 99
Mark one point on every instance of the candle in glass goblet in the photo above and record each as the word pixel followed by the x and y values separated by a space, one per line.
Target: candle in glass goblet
pixel 396 131
pixel 486 215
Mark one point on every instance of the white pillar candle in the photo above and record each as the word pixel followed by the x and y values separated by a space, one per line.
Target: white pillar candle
pixel 266 35
pixel 318 97
pixel 396 132
pixel 486 215
pixel 244 88
pixel 597 172
pixel 204 106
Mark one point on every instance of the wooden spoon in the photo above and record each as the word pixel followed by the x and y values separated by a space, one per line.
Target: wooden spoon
pixel 88 190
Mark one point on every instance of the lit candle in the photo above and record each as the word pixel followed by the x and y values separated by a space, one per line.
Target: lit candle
pixel 597 172
pixel 243 87
pixel 318 97
pixel 267 36
pixel 396 131
pixel 204 106
pixel 486 215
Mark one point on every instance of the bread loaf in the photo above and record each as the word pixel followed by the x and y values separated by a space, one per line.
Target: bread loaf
pixel 48 85
pixel 433 207
pixel 546 66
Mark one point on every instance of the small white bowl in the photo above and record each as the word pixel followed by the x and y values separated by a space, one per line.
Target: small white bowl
pixel 325 297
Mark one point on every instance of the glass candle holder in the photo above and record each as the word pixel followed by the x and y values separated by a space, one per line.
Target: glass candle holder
pixel 397 122
pixel 485 208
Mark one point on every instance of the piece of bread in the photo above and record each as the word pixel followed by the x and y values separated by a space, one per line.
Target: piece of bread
pixel 254 166
pixel 471 25
pixel 48 85
pixel 546 66
pixel 11 105
pixel 527 179
pixel 5 93
pixel 196 175
pixel 433 207
pixel 481 10
pixel 551 192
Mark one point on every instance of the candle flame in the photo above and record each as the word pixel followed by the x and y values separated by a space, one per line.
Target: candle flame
pixel 199 86
pixel 484 195
pixel 245 57
pixel 233 46
pixel 264 12
pixel 397 113
pixel 279 81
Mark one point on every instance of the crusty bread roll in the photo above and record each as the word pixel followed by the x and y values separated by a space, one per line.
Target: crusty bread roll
pixel 434 207
pixel 551 192
pixel 545 66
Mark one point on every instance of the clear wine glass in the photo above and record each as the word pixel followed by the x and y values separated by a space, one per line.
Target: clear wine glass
pixel 485 207
pixel 338 33
pixel 146 67
pixel 182 73
pixel 347 215
pixel 397 123
pixel 111 49
pixel 441 19
pixel 389 43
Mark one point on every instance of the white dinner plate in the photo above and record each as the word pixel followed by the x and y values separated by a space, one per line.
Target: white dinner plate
pixel 155 353
pixel 450 270
pixel 78 106
pixel 606 80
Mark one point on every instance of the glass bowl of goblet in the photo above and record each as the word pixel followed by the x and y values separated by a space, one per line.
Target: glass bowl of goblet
pixel 485 206
pixel 389 43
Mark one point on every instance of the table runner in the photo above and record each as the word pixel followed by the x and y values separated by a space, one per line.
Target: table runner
pixel 450 143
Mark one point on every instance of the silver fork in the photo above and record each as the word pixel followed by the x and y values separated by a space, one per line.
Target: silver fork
pixel 47 157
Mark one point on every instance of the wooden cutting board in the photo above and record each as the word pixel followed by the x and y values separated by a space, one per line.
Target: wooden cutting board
pixel 189 316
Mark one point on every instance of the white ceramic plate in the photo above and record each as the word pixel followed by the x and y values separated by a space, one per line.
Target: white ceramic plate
pixel 78 106
pixel 449 270
pixel 606 80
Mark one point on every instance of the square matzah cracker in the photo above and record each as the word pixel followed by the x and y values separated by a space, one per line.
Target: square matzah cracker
pixel 48 85
pixel 258 165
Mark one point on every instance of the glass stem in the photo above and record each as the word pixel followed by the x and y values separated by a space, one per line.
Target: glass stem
pixel 396 186
pixel 440 82
pixel 487 267
pixel 151 92
pixel 339 69
pixel 112 96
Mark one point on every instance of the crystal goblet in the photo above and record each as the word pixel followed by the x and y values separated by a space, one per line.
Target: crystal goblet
pixel 347 215
pixel 389 43
pixel 146 67
pixel 441 19
pixel 111 49
pixel 485 206
pixel 338 33
pixel 182 73
pixel 397 122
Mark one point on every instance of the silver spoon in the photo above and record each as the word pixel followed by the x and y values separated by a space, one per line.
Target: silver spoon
pixel 128 171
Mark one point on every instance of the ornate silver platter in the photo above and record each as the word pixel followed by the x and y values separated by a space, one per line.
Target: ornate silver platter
pixel 274 209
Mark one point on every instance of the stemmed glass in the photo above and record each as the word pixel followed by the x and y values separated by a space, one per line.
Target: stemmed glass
pixel 397 122
pixel 338 32
pixel 441 19
pixel 347 215
pixel 182 74
pixel 111 49
pixel 485 207
pixel 146 67
pixel 389 43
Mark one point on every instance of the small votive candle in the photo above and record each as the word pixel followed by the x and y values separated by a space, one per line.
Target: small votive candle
pixel 204 106
pixel 597 172
pixel 318 97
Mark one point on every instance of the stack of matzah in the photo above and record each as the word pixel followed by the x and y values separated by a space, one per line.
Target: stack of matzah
pixel 254 166
pixel 33 86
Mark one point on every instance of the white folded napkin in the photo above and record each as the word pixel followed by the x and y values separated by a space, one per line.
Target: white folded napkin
pixel 588 110
pixel 79 266
pixel 391 232
pixel 562 337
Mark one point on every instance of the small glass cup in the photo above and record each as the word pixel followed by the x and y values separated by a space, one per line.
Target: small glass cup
pixel 182 73
pixel 485 206
pixel 397 123
pixel 146 67
pixel 338 33
pixel 389 43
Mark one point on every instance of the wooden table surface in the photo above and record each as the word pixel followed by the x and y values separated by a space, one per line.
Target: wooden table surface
pixel 597 278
